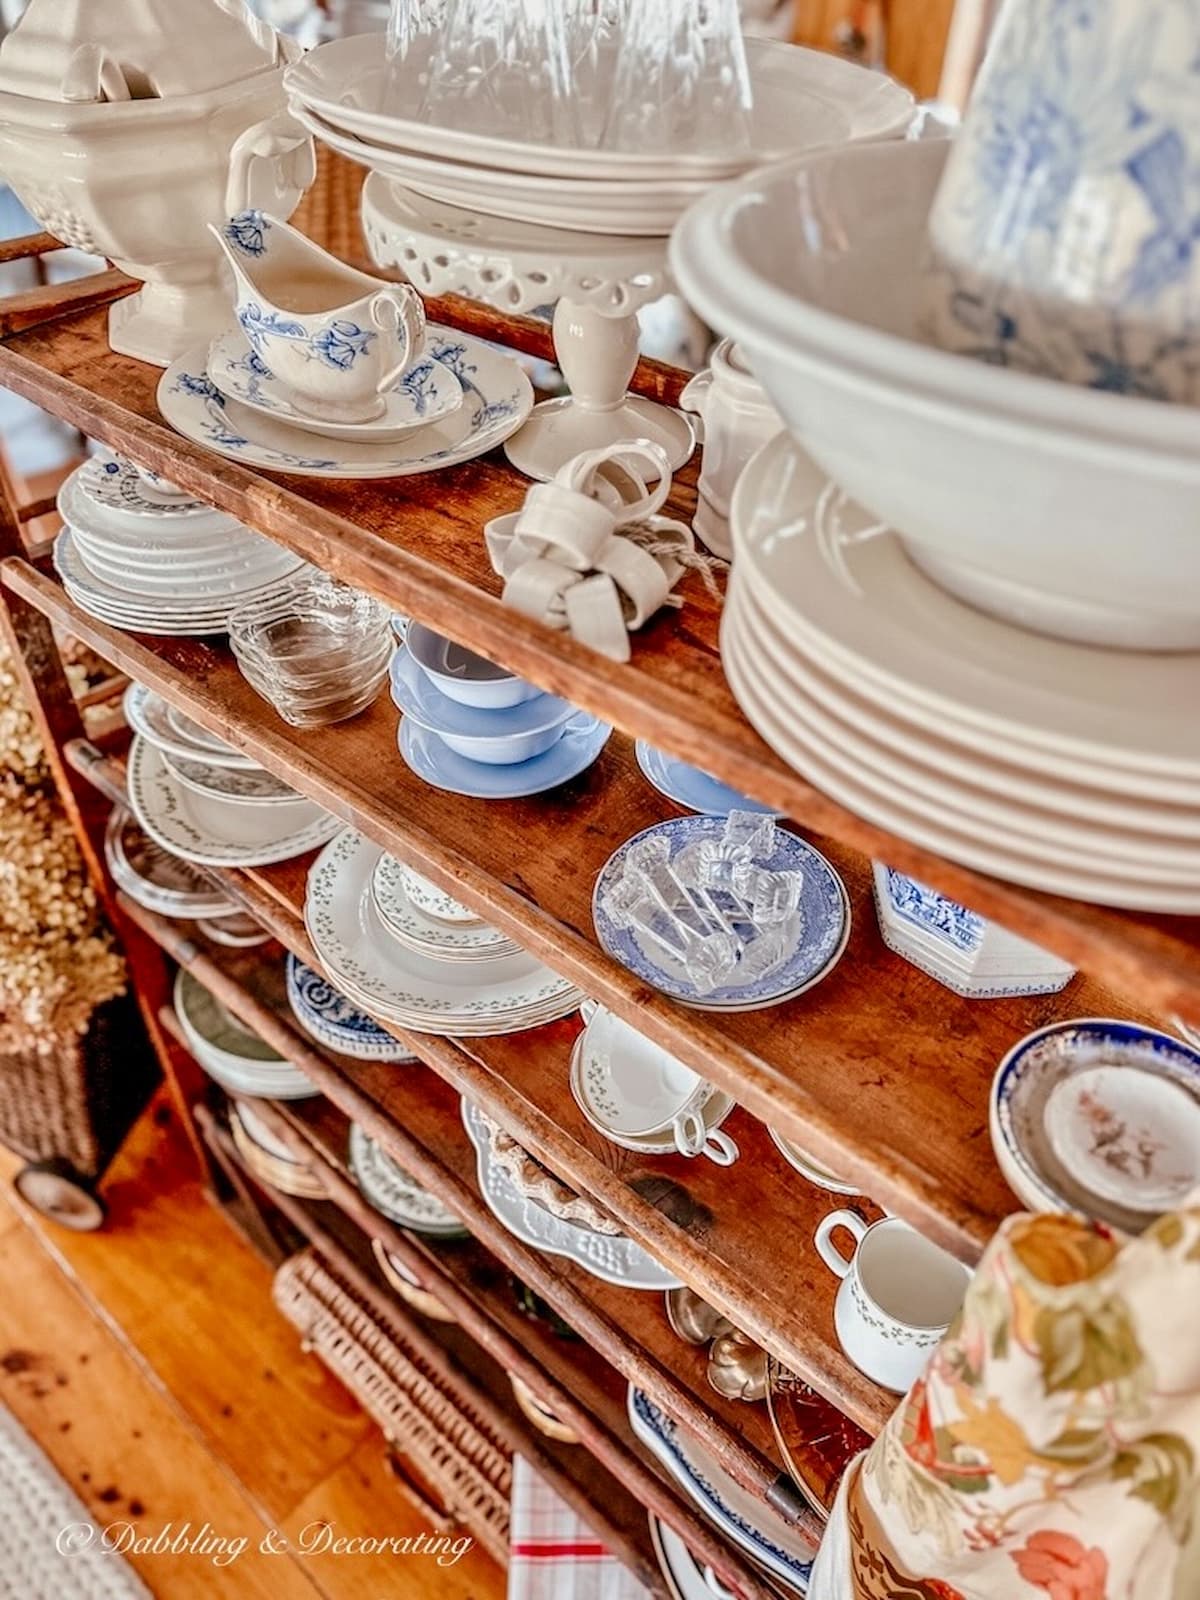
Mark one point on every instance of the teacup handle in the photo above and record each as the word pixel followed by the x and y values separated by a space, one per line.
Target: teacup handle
pixel 692 1138
pixel 588 1008
pixel 280 143
pixel 829 1253
pixel 399 309
pixel 717 1587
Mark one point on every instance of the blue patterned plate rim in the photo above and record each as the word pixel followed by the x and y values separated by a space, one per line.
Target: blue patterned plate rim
pixel 444 768
pixel 823 900
pixel 659 1432
pixel 691 786
pixel 497 397
pixel 314 997
pixel 424 393
pixel 422 700
pixel 1144 1048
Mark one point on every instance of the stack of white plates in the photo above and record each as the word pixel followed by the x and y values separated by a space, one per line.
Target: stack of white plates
pixel 395 1194
pixel 1060 766
pixel 429 994
pixel 139 558
pixel 802 100
pixel 229 1052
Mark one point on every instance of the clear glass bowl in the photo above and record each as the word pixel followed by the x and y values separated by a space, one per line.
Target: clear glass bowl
pixel 319 652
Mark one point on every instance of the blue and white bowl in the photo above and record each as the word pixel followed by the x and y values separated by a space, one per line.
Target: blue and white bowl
pixel 960 949
pixel 499 737
pixel 328 1017
pixel 1027 1078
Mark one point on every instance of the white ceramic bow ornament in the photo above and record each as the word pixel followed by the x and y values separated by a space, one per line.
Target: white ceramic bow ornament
pixel 588 552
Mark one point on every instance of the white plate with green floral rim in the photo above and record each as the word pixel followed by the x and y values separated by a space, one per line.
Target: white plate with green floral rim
pixel 497 398
pixel 395 983
pixel 474 941
pixel 216 833
pixel 241 786
pixel 395 1193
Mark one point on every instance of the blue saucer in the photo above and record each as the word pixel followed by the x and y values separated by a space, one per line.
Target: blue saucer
pixel 329 1017
pixel 819 940
pixel 690 787
pixel 431 759
pixel 417 697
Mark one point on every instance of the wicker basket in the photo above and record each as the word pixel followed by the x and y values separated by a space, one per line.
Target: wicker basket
pixel 77 1103
pixel 455 1451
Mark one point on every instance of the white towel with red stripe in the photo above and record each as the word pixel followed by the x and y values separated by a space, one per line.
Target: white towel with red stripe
pixel 554 1555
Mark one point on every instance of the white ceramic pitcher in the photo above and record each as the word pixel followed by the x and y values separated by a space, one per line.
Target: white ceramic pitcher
pixel 337 338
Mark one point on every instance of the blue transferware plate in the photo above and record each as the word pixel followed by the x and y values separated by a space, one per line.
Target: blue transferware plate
pixel 821 936
pixel 329 1017
pixel 690 787
pixel 431 759
pixel 748 1522
pixel 420 699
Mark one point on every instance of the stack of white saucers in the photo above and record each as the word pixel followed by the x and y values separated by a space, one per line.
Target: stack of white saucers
pixel 1066 767
pixel 229 1052
pixel 392 981
pixel 206 803
pixel 394 1193
pixel 400 895
pixel 802 100
pixel 142 557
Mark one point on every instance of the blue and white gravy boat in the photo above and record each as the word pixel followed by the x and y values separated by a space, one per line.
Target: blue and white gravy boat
pixel 338 339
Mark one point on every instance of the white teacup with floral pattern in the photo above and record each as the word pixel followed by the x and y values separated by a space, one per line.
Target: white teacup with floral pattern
pixel 899 1294
pixel 337 338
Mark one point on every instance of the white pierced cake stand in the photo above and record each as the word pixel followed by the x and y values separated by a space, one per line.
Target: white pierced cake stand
pixel 598 284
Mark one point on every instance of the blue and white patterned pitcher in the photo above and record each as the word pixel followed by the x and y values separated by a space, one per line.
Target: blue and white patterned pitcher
pixel 1066 231
pixel 337 338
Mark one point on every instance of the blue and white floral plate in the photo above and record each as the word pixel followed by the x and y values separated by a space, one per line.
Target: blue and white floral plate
pixel 427 392
pixel 689 786
pixel 824 921
pixel 1020 1110
pixel 497 398
pixel 432 759
pixel 746 1521
pixel 325 1013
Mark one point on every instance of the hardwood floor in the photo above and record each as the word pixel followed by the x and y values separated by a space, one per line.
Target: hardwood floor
pixel 151 1366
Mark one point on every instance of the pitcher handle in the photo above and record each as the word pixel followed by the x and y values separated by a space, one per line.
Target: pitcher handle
pixel 691 399
pixel 399 309
pixel 278 141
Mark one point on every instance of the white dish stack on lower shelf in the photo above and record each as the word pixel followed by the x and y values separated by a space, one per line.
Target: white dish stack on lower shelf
pixel 144 557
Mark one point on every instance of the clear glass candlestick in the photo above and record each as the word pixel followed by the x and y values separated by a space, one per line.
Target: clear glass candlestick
pixel 503 68
pixel 681 80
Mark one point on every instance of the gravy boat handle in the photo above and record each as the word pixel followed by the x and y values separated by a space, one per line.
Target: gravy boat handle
pixel 399 309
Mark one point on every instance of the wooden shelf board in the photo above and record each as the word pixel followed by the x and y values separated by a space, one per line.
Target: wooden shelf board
pixel 607 1477
pixel 417 542
pixel 415 1114
pixel 879 1071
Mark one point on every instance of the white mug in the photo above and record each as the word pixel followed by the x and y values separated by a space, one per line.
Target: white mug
pixel 898 1296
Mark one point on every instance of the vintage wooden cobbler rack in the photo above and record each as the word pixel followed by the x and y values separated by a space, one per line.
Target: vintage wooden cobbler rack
pixel 879 1071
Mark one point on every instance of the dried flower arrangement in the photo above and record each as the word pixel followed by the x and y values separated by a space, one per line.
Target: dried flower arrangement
pixel 57 960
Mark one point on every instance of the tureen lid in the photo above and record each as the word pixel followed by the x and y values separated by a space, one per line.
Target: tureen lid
pixel 82 50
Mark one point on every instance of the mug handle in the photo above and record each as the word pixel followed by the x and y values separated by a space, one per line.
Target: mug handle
pixel 829 1253
pixel 399 309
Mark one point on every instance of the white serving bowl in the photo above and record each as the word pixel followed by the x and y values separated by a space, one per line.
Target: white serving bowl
pixel 1064 509
pixel 475 681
